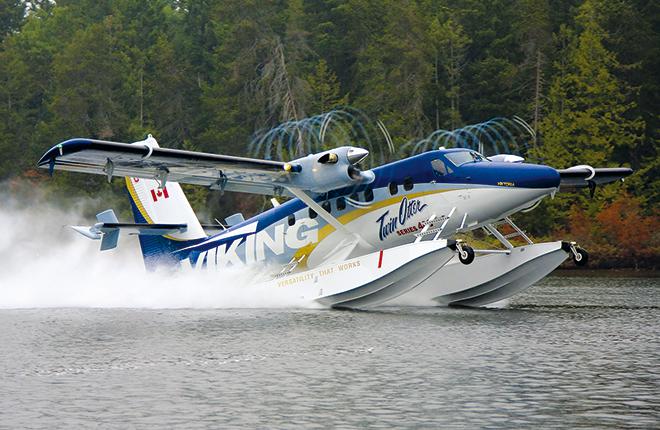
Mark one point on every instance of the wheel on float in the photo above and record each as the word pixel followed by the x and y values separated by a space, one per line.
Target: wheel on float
pixel 466 254
pixel 582 257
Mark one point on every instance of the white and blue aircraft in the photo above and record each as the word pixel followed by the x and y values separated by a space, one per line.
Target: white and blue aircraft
pixel 338 213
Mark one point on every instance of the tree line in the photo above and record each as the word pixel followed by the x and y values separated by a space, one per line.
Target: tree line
pixel 205 75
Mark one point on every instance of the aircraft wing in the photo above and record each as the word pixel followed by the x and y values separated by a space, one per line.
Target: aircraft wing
pixel 587 176
pixel 315 173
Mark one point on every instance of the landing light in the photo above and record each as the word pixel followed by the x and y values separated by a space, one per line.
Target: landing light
pixel 288 167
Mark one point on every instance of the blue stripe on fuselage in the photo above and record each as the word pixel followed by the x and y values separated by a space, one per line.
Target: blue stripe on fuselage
pixel 418 168
pixel 517 175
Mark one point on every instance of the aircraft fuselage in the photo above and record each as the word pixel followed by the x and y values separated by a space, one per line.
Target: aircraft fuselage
pixel 465 193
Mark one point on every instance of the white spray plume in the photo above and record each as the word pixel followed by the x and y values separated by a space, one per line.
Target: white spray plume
pixel 45 264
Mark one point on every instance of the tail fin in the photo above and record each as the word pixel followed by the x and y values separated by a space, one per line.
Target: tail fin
pixel 167 205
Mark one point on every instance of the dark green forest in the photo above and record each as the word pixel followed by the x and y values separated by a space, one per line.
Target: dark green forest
pixel 206 75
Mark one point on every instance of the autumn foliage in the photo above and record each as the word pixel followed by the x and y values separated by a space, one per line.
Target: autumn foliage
pixel 619 235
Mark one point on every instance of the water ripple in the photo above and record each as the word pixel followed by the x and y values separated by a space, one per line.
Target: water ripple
pixel 571 353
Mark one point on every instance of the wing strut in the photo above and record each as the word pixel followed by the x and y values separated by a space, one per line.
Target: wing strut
pixel 305 198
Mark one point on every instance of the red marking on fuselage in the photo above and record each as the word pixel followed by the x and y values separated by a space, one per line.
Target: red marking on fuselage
pixel 380 259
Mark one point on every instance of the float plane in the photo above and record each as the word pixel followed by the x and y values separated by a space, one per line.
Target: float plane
pixel 347 236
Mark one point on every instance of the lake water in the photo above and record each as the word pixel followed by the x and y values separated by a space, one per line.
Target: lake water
pixel 569 353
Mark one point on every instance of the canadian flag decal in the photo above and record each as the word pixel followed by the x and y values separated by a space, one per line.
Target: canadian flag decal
pixel 158 193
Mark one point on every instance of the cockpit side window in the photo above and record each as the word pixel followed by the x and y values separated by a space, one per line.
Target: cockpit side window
pixel 439 167
pixel 478 157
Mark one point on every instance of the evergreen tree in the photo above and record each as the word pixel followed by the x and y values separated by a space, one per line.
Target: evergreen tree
pixel 170 93
pixel 633 35
pixel 395 71
pixel 588 104
pixel 324 89
pixel 450 43
pixel 231 111
pixel 90 79
pixel 11 15
pixel 587 115
pixel 534 36
pixel 491 85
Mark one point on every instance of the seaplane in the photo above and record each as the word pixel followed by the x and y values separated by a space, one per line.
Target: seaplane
pixel 347 236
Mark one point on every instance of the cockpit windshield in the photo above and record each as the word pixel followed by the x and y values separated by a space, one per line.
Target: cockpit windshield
pixel 459 158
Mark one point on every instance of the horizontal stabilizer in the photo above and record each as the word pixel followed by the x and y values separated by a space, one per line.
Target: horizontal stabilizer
pixel 144 229
pixel 107 216
pixel 107 229
pixel 87 231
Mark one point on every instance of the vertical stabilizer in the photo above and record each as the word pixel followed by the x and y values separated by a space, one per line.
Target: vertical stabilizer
pixel 154 204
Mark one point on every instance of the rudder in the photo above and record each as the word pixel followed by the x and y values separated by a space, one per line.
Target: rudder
pixel 167 205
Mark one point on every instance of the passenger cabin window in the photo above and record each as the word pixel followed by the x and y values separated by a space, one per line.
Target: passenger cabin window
pixel 312 213
pixel 439 167
pixel 408 183
pixel 368 195
pixel 341 204
pixel 354 197
pixel 394 188
pixel 326 206
pixel 292 219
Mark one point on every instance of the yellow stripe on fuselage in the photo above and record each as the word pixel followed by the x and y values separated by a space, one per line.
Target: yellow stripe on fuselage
pixel 354 214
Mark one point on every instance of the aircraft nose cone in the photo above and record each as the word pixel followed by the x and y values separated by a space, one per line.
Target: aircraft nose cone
pixel 516 175
pixel 536 176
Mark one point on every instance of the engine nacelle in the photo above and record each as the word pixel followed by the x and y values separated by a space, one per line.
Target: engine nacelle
pixel 329 170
